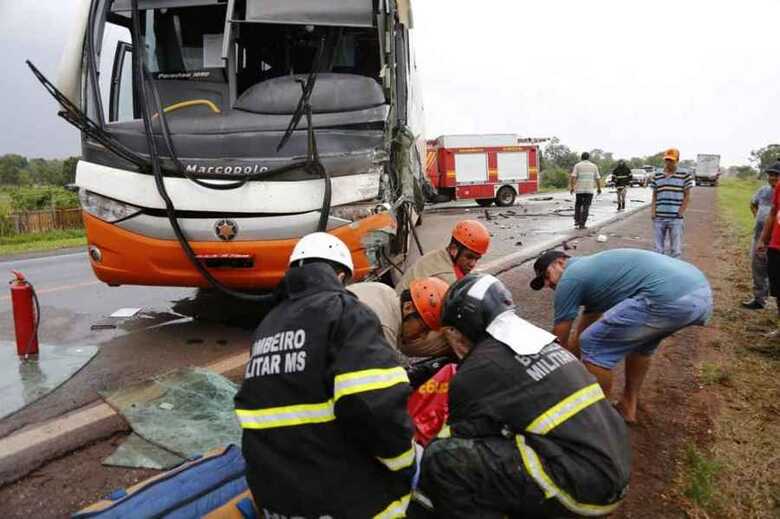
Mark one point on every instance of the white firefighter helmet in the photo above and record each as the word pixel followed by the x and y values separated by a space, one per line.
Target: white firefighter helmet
pixel 321 245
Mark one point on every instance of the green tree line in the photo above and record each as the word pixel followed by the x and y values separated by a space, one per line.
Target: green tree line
pixel 558 160
pixel 16 170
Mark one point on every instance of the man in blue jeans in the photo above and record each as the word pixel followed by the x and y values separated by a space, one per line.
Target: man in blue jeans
pixel 632 299
pixel 671 193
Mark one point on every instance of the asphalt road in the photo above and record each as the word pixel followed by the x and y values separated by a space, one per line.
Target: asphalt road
pixel 164 336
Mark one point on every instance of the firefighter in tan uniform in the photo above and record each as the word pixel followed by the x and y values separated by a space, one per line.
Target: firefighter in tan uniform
pixel 408 319
pixel 530 433
pixel 326 432
pixel 469 242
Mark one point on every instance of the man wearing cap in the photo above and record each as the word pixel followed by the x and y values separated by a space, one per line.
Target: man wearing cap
pixel 323 403
pixel 470 241
pixel 671 194
pixel 769 244
pixel 407 319
pixel 633 298
pixel 530 433
pixel 585 179
pixel 760 206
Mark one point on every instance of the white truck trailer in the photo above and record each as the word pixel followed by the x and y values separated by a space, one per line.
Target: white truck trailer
pixel 707 169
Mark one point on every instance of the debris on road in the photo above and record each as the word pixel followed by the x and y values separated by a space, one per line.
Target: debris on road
pixel 601 238
pixel 126 312
pixel 518 244
pixel 105 324
pixel 541 198
pixel 487 215
pixel 115 319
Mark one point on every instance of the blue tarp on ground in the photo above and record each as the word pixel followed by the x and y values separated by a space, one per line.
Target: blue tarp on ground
pixel 192 490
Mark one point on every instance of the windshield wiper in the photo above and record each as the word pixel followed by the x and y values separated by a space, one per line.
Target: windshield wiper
pixel 307 89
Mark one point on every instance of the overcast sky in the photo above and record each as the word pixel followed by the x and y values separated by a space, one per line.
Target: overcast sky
pixel 631 77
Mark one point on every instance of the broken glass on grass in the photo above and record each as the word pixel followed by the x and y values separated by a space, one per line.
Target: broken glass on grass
pixel 187 411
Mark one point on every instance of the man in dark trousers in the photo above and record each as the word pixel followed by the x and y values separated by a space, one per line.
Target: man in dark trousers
pixel 769 245
pixel 585 179
pixel 530 433
pixel 323 403
pixel 622 177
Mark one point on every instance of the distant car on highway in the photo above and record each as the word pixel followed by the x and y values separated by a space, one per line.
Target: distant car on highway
pixel 639 177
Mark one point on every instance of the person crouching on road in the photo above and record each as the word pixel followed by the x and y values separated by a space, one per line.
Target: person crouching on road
pixel 633 299
pixel 530 433
pixel 323 403
pixel 469 242
pixel 622 178
pixel 760 206
pixel 406 320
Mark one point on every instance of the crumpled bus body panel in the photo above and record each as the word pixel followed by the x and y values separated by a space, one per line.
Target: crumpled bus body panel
pixel 225 85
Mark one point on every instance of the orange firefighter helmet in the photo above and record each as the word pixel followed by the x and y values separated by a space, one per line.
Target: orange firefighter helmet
pixel 472 235
pixel 428 298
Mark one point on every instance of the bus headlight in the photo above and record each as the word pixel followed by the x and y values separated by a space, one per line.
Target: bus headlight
pixel 104 208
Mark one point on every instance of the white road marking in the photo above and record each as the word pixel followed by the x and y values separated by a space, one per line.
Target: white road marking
pixel 42 258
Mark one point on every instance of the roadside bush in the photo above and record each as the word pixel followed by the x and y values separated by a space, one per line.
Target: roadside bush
pixel 6 225
pixel 36 198
pixel 746 173
pixel 554 177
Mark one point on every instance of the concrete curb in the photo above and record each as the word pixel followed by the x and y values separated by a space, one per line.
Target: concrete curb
pixel 516 259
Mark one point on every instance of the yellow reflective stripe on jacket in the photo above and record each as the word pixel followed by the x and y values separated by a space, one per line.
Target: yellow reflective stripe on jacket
pixel 367 380
pixel 533 465
pixel 565 409
pixel 445 432
pixel 286 416
pixel 400 462
pixel 395 509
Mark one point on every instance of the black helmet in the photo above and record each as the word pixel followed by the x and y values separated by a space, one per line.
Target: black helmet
pixel 473 302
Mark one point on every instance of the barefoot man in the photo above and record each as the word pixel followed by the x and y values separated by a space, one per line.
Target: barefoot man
pixel 632 299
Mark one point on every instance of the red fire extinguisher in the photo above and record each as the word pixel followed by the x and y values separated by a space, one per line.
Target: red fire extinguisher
pixel 26 315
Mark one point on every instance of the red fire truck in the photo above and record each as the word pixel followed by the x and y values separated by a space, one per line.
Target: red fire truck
pixel 486 168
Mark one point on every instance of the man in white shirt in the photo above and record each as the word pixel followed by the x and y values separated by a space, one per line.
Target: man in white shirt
pixel 584 180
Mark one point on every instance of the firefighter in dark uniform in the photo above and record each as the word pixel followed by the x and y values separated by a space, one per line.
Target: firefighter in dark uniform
pixel 323 402
pixel 530 433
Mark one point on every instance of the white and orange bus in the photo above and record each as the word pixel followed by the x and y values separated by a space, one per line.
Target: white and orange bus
pixel 226 135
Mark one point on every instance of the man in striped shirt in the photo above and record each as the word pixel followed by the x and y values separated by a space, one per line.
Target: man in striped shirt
pixel 671 194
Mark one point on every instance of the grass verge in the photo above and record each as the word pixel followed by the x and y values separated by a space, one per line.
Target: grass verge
pixel 702 473
pixel 734 204
pixel 40 242
pixel 735 470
